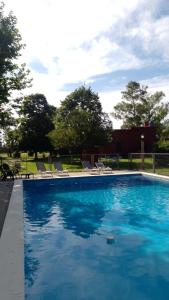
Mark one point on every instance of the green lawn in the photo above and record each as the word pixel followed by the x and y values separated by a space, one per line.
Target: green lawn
pixel 73 164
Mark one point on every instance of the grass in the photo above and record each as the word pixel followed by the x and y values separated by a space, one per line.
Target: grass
pixel 73 164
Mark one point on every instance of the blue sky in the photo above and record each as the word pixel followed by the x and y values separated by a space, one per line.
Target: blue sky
pixel 103 44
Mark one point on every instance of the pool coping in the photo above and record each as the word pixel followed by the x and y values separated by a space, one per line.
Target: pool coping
pixel 12 248
pixel 12 240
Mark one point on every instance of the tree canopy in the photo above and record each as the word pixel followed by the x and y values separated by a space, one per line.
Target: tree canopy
pixel 13 77
pixel 81 98
pixel 139 106
pixel 35 123
pixel 80 121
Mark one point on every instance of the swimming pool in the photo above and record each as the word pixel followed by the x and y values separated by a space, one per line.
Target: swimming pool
pixel 97 238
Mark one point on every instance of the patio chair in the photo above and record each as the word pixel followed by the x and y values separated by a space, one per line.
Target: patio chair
pixel 103 168
pixel 59 170
pixel 42 170
pixel 88 167
pixel 6 172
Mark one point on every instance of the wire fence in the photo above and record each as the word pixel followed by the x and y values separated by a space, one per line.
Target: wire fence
pixel 72 163
pixel 150 162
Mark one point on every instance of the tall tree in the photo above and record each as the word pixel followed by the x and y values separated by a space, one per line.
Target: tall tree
pixel 13 77
pixel 80 121
pixel 139 106
pixel 36 121
pixel 81 98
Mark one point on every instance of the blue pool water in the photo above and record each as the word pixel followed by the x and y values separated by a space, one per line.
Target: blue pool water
pixel 97 238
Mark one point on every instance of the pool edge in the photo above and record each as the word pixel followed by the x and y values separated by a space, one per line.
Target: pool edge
pixel 164 177
pixel 12 248
pixel 12 240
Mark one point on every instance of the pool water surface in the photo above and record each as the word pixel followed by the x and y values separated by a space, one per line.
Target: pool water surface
pixel 101 237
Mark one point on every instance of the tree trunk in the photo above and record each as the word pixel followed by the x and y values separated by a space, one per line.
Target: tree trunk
pixel 36 155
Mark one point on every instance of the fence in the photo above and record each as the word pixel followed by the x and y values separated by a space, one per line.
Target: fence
pixel 150 162
pixel 69 162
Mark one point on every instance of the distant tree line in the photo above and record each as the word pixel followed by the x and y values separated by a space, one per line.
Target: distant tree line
pixel 78 123
pixel 30 123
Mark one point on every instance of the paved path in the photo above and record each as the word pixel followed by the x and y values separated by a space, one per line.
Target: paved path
pixel 5 194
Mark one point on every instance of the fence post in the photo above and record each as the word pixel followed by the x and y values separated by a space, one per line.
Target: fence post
pixel 130 161
pixel 92 160
pixel 153 157
pixel 142 161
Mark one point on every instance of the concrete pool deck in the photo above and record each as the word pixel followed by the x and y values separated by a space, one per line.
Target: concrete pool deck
pixel 5 195
pixel 12 240
pixel 12 248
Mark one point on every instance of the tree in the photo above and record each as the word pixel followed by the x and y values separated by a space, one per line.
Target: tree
pixel 80 122
pixel 36 121
pixel 139 106
pixel 63 138
pixel 12 76
pixel 11 139
pixel 82 98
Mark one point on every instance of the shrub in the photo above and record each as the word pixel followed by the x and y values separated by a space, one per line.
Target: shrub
pixel 162 147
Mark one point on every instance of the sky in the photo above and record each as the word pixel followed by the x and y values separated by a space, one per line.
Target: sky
pixel 101 43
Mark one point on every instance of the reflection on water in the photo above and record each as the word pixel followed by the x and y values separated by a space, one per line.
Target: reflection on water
pixel 31 266
pixel 66 229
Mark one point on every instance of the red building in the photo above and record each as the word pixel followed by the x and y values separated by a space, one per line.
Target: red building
pixel 129 140
pixel 134 140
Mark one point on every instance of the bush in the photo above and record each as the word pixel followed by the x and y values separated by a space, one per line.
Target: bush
pixel 162 147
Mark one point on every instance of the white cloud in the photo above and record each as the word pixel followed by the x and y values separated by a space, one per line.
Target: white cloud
pixel 159 83
pixel 88 38
pixel 60 28
pixel 150 32
pixel 109 100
